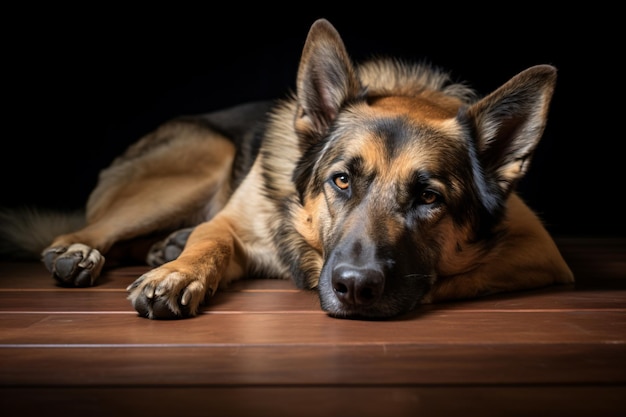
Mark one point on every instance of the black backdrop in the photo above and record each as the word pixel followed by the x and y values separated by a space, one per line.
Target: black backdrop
pixel 80 85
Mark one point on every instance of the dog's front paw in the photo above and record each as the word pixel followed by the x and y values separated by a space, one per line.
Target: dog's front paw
pixel 77 265
pixel 169 248
pixel 166 293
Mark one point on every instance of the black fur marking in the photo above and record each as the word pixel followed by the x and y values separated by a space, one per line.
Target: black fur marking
pixel 484 202
pixel 245 126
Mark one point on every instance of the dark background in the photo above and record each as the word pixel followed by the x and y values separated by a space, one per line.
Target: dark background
pixel 80 85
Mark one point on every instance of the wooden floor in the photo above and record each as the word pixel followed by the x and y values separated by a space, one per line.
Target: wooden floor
pixel 264 348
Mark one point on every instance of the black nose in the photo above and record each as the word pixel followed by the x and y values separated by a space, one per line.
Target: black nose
pixel 355 286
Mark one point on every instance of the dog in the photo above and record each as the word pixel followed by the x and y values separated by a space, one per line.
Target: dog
pixel 381 185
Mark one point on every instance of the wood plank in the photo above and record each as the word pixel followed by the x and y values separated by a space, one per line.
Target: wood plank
pixel 92 301
pixel 314 401
pixel 262 347
pixel 356 364
pixel 288 328
pixel 32 275
pixel 255 295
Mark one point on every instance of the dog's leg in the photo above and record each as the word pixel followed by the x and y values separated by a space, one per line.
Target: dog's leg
pixel 527 258
pixel 235 242
pixel 76 259
pixel 175 177
pixel 178 288
pixel 509 271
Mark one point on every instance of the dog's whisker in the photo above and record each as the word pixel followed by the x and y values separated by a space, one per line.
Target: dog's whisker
pixel 417 276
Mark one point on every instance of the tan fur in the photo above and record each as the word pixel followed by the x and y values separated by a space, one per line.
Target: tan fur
pixel 130 197
pixel 432 106
pixel 526 258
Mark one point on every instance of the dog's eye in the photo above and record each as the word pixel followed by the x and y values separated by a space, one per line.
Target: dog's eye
pixel 428 197
pixel 342 181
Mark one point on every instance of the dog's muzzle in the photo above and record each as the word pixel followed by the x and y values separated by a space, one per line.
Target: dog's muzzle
pixel 376 284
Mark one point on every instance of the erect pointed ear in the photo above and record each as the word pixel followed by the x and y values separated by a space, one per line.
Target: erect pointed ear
pixel 509 123
pixel 326 79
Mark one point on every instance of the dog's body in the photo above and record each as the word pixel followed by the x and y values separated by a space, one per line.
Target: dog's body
pixel 382 186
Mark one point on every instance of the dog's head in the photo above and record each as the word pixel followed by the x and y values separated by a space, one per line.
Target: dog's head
pixel 404 175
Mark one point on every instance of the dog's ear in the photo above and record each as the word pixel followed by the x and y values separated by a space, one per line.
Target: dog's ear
pixel 509 123
pixel 326 79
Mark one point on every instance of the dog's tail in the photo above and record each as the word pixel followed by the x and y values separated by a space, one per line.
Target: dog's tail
pixel 25 232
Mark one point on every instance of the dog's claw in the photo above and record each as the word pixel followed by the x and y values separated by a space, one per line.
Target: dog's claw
pixel 184 299
pixel 135 283
pixel 148 291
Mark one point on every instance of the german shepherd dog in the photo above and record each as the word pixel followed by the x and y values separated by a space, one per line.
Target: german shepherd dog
pixel 381 186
